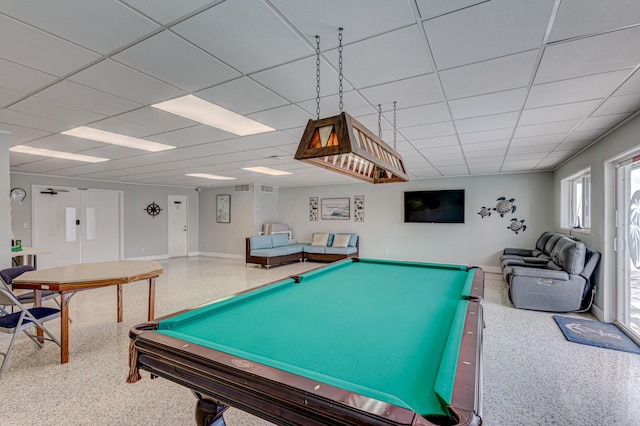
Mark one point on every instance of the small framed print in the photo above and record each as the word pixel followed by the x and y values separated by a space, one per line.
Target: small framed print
pixel 223 208
pixel 335 209
pixel 313 209
pixel 358 208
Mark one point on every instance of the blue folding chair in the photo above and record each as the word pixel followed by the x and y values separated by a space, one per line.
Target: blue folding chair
pixel 22 319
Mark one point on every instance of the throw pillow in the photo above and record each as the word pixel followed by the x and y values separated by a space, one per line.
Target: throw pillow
pixel 319 239
pixel 341 240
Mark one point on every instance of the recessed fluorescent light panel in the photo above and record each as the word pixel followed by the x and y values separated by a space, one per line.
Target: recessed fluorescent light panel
pixel 116 139
pixel 266 171
pixel 56 154
pixel 204 112
pixel 208 176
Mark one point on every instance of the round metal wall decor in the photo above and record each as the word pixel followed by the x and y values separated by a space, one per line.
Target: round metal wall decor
pixel 153 209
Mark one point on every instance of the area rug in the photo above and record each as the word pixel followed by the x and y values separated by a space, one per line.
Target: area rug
pixel 596 333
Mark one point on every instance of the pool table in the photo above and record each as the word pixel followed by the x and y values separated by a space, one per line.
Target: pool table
pixel 360 341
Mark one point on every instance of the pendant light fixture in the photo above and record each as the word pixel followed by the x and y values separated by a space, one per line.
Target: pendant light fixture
pixel 342 144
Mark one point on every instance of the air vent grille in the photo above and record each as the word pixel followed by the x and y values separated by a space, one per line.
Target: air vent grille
pixel 242 188
pixel 266 188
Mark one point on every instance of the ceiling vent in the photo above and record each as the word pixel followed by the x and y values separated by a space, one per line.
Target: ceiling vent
pixel 266 188
pixel 242 188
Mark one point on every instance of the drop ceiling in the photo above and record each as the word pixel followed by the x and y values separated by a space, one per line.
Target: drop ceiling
pixel 481 87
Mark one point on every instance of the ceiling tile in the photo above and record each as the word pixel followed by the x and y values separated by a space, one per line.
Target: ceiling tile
pixel 596 86
pixel 545 129
pixel 550 139
pixel 430 9
pixel 39 50
pixel 509 72
pixel 19 78
pixel 77 95
pixel 429 130
pixel 619 105
pixel 487 136
pixel 482 146
pixel 194 135
pixel 282 117
pixel 414 116
pixel 353 103
pixel 156 119
pixel 491 154
pixel 591 55
pixel 459 38
pixel 493 103
pixel 7 97
pixel 166 11
pixel 56 111
pixel 407 93
pixel 226 95
pixel 172 60
pixel 632 85
pixel 359 18
pixel 101 26
pixel 398 55
pixel 123 127
pixel 120 80
pixel 556 112
pixel 490 122
pixel 296 81
pixel 583 17
pixel 19 135
pixel 435 142
pixel 18 118
pixel 601 122
pixel 528 149
pixel 255 37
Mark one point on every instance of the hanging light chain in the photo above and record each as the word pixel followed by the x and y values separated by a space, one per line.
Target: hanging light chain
pixel 380 121
pixel 318 77
pixel 340 67
pixel 394 126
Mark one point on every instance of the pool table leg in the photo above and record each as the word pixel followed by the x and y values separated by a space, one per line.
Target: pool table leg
pixel 209 412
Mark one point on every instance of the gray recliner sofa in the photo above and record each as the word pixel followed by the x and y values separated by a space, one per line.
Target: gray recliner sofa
pixel 560 284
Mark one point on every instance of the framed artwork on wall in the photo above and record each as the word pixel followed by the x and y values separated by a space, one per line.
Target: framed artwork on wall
pixel 335 209
pixel 313 209
pixel 358 208
pixel 223 208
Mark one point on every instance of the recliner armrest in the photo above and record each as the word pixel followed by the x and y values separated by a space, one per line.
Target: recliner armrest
pixel 535 272
pixel 517 252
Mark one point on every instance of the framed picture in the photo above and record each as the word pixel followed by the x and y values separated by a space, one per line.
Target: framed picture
pixel 313 209
pixel 358 208
pixel 335 209
pixel 223 208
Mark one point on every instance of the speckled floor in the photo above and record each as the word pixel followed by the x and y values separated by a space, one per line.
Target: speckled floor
pixel 532 375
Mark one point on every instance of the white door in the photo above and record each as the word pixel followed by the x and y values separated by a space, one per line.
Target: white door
pixel 178 226
pixel 78 226
pixel 54 215
pixel 100 225
pixel 628 247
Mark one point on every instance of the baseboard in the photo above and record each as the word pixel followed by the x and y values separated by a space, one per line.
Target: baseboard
pixel 597 312
pixel 222 255
pixel 156 257
pixel 491 269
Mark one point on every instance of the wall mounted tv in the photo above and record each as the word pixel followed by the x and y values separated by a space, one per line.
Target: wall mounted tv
pixel 444 206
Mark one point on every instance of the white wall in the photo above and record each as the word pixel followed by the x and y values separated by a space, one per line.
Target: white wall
pixel 5 205
pixel 226 239
pixel 144 236
pixel 623 140
pixel 385 235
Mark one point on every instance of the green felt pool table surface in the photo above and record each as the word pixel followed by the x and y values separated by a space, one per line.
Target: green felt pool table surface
pixel 387 330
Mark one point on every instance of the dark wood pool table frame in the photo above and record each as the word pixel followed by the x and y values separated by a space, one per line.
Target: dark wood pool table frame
pixel 288 399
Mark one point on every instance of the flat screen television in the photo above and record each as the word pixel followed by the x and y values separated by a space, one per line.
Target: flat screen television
pixel 443 206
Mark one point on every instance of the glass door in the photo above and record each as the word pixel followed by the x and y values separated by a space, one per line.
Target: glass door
pixel 628 247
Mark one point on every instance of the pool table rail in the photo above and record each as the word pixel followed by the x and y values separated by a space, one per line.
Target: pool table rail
pixel 259 389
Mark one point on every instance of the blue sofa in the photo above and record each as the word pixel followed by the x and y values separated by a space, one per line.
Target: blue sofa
pixel 270 250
